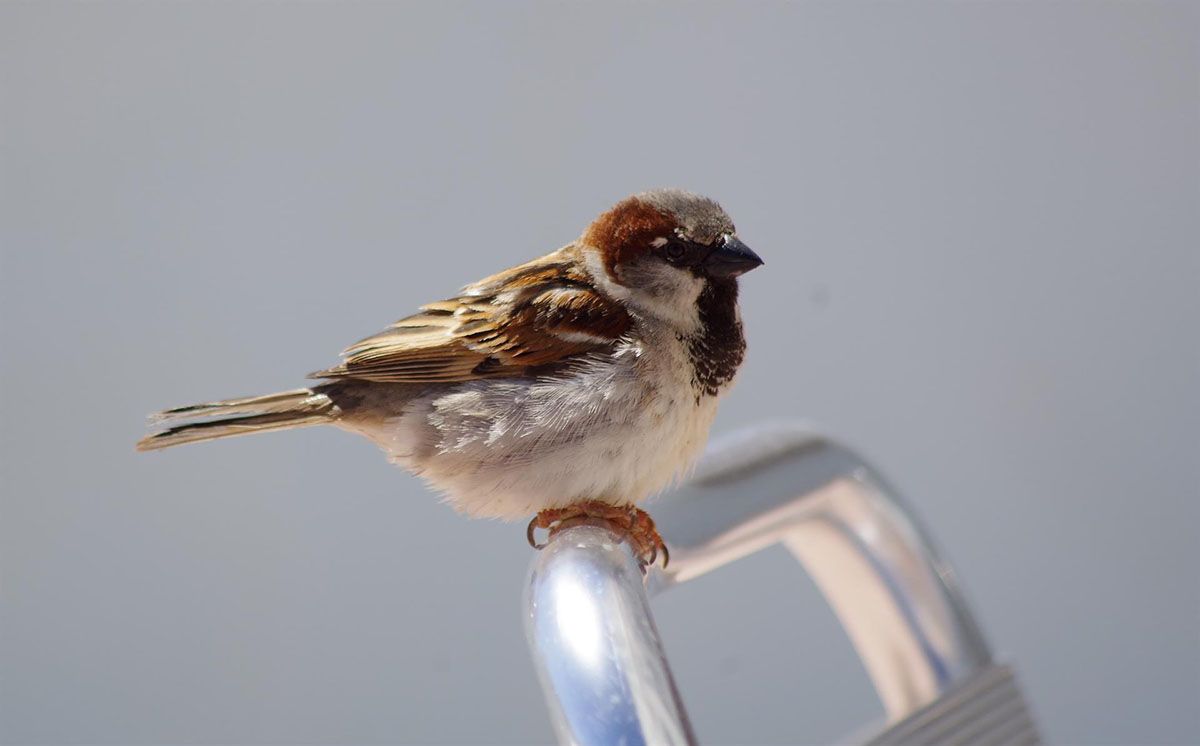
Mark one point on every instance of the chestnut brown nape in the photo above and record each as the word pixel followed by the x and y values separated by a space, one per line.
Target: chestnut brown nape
pixel 626 230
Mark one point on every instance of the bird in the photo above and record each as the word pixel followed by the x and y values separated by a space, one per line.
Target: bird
pixel 571 387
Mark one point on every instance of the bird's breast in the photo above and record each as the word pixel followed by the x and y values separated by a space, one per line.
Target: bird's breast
pixel 615 427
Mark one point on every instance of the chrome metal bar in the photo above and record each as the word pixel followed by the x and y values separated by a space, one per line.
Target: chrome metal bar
pixel 595 645
pixel 898 602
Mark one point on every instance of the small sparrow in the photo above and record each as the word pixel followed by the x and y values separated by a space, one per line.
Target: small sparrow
pixel 571 387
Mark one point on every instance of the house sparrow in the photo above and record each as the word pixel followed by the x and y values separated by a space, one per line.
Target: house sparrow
pixel 572 387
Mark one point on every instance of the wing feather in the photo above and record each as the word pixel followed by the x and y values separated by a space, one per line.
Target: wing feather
pixel 538 314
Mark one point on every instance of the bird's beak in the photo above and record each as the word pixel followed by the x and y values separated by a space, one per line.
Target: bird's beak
pixel 731 258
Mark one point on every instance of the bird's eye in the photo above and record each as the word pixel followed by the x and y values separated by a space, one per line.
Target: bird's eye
pixel 674 251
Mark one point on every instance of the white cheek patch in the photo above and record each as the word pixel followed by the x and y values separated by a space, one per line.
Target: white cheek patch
pixel 667 293
pixel 595 268
pixel 661 291
pixel 660 242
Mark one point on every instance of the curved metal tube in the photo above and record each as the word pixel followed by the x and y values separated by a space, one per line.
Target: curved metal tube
pixel 899 603
pixel 599 656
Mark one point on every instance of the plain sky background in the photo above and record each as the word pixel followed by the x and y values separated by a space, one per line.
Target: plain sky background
pixel 981 226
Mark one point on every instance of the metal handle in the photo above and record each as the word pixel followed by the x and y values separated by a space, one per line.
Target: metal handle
pixel 593 637
pixel 598 652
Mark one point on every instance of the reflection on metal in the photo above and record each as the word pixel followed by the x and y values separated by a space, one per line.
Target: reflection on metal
pixel 599 656
pixel 598 653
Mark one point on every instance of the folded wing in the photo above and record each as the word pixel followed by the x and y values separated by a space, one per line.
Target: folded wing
pixel 539 314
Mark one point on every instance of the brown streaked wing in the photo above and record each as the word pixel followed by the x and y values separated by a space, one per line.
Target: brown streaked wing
pixel 537 314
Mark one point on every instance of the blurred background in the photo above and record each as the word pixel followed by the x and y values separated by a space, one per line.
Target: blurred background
pixel 981 230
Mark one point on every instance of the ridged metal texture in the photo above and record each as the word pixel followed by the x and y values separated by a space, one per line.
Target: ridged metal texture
pixel 988 710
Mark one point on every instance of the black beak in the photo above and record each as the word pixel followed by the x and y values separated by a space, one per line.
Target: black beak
pixel 731 258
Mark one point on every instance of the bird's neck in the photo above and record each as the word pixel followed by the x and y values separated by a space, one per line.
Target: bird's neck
pixel 717 347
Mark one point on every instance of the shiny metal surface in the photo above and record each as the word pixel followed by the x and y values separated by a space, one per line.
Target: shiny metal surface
pixel 985 710
pixel 595 645
pixel 898 602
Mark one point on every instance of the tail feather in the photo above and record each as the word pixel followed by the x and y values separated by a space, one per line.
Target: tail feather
pixel 281 402
pixel 288 409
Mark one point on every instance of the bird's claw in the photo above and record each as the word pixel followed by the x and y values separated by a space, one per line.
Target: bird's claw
pixel 635 523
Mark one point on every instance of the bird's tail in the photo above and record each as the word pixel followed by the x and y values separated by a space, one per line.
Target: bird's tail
pixel 257 414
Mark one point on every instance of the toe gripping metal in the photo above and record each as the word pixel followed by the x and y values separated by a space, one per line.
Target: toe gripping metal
pixel 599 656
pixel 630 522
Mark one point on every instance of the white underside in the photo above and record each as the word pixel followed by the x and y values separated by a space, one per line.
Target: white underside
pixel 618 429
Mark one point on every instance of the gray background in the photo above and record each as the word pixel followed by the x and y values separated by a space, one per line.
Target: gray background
pixel 980 226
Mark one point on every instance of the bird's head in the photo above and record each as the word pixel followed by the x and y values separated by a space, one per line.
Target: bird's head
pixel 661 250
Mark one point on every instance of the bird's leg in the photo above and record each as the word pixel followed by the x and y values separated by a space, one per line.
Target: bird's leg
pixel 634 522
pixel 556 519
pixel 548 519
pixel 646 539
